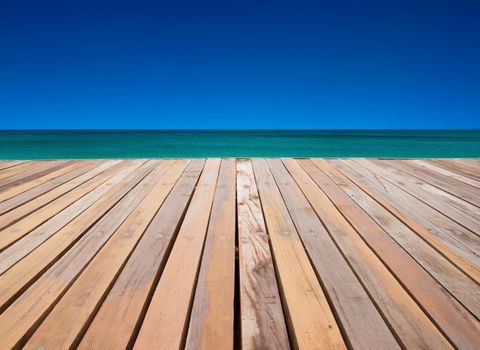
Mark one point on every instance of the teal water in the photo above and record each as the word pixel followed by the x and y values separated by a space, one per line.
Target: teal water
pixel 63 144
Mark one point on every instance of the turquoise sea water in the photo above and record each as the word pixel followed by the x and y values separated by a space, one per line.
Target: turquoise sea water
pixel 62 144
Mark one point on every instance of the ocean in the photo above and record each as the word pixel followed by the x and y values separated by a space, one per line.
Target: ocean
pixel 84 144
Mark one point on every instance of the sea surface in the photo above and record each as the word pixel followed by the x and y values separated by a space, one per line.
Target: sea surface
pixel 81 144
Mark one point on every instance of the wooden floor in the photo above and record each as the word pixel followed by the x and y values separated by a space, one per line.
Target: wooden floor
pixel 240 253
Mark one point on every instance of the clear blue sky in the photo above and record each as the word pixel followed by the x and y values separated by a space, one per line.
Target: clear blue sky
pixel 239 64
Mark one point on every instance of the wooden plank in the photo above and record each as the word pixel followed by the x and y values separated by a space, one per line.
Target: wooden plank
pixel 397 271
pixel 438 169
pixel 11 213
pixel 43 168
pixel 373 223
pixel 475 162
pixel 65 324
pixel 429 224
pixel 363 326
pixel 464 192
pixel 33 193
pixel 460 205
pixel 211 322
pixel 9 192
pixel 19 170
pixel 455 168
pixel 31 308
pixel 29 173
pixel 128 299
pixel 412 327
pixel 464 213
pixel 310 319
pixel 167 315
pixel 10 164
pixel 58 213
pixel 26 244
pixel 458 167
pixel 262 320
pixel 15 280
pixel 472 162
pixel 441 201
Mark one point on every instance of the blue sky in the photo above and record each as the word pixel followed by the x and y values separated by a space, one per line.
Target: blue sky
pixel 239 64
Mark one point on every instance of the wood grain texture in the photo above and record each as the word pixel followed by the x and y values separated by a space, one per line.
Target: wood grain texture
pixel 240 253
pixel 22 274
pixel 373 223
pixel 412 326
pixel 10 164
pixel 65 168
pixel 74 311
pixel 22 171
pixel 31 194
pixel 459 167
pixel 438 169
pixel 35 171
pixel 19 206
pixel 262 320
pixel 473 162
pixel 211 321
pixel 445 209
pixel 430 225
pixel 33 305
pixel 167 315
pixel 311 321
pixel 96 197
pixel 438 199
pixel 126 302
pixel 363 326
pixel 462 195
pixel 63 207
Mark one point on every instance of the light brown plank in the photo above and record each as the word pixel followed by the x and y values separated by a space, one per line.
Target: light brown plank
pixel 464 213
pixel 473 162
pixel 63 327
pixel 65 207
pixel 464 192
pixel 310 319
pixel 459 167
pixel 429 224
pixel 32 194
pixel 10 164
pixel 167 315
pixel 262 319
pixel 363 326
pixel 413 328
pixel 394 258
pixel 438 169
pixel 441 201
pixel 20 171
pixel 29 310
pixel 36 170
pixel 6 193
pixel 373 223
pixel 11 213
pixel 22 274
pixel 23 246
pixel 128 299
pixel 211 322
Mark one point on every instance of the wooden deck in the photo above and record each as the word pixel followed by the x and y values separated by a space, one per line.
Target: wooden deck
pixel 240 253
